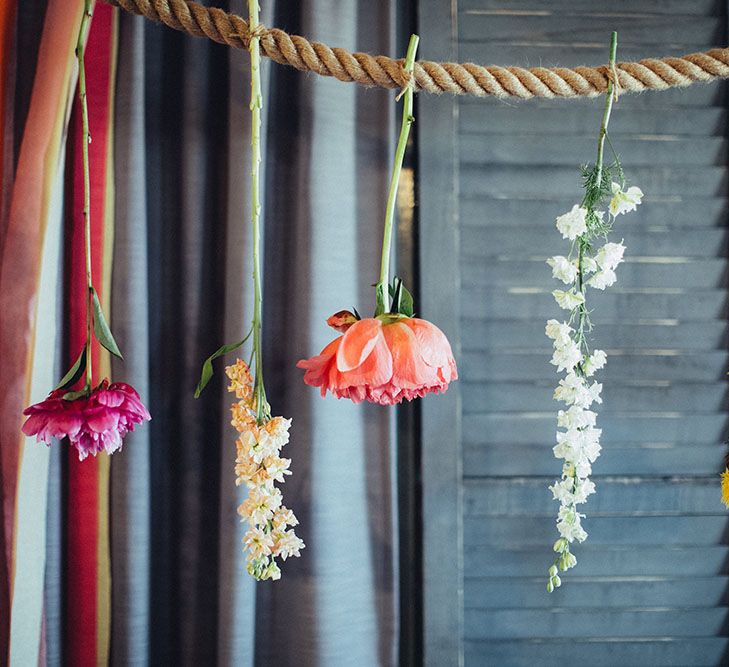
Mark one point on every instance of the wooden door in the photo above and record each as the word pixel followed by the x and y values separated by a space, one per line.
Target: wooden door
pixel 650 587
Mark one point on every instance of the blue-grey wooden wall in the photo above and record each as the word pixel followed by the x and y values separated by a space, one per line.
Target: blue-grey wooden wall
pixel 651 585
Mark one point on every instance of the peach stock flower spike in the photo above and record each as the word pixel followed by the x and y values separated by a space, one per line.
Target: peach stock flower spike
pixel 382 360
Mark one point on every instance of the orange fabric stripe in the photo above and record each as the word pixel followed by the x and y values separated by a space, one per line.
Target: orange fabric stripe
pixel 20 265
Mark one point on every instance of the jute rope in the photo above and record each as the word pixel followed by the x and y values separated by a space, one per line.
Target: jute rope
pixel 432 77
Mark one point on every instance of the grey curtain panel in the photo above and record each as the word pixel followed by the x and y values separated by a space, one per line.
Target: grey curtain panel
pixel 181 287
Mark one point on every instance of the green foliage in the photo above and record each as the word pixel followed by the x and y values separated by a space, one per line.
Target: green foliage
pixel 380 299
pixel 74 395
pixel 101 328
pixel 75 372
pixel 207 368
pixel 401 300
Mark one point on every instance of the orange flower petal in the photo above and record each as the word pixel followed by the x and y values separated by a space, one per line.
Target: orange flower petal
pixel 375 371
pixel 357 343
pixel 409 369
pixel 317 368
pixel 434 346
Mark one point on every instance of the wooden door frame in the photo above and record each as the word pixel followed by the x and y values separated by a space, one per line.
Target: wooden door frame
pixel 437 179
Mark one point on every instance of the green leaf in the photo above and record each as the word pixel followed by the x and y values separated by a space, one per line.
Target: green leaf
pixel 74 395
pixel 396 293
pixel 407 306
pixel 101 328
pixel 207 368
pixel 380 299
pixel 75 372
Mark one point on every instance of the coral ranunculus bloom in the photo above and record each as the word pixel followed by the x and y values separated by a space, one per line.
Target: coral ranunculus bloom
pixel 382 360
pixel 93 424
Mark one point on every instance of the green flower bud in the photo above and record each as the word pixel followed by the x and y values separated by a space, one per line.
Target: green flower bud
pixel 567 560
pixel 552 571
pixel 560 545
pixel 550 586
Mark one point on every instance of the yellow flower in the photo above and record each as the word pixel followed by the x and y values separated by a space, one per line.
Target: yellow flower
pixel 243 418
pixel 250 473
pixel 725 487
pixel 283 517
pixel 260 505
pixel 276 468
pixel 241 381
pixel 258 542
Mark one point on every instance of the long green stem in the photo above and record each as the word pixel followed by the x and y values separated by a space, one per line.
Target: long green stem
pixel 560 561
pixel 256 106
pixel 407 121
pixel 583 313
pixel 85 140
pixel 608 109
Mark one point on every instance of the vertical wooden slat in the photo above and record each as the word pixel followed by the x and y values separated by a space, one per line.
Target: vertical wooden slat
pixel 436 118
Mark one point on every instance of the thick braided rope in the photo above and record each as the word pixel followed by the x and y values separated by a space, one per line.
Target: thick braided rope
pixel 459 79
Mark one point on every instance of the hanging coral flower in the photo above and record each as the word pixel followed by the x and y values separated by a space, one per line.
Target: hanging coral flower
pixel 382 359
pixel 93 423
pixel 393 355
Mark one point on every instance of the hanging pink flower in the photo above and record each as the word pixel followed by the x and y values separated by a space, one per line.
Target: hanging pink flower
pixel 92 423
pixel 382 360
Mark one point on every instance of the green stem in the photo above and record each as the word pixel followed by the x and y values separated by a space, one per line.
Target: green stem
pixel 606 113
pixel 407 121
pixel 256 106
pixel 85 140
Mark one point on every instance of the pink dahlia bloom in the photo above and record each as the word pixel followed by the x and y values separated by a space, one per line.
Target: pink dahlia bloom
pixel 382 360
pixel 93 424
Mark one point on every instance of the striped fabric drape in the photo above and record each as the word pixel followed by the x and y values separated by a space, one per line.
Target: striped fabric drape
pixel 86 567
pixel 137 559
pixel 26 350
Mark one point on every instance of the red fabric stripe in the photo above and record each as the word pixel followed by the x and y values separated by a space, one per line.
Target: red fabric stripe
pixel 7 20
pixel 83 477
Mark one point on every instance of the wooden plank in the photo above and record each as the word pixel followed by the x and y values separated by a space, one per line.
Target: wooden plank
pixel 661 652
pixel 520 181
pixel 617 496
pixel 604 530
pixel 592 53
pixel 513 240
pixel 564 29
pixel 479 148
pixel 615 304
pixel 677 213
pixel 602 561
pixel 617 396
pixel 494 593
pixel 616 7
pixel 575 120
pixel 683 366
pixel 487 335
pixel 656 102
pixel 526 623
pixel 515 271
pixel 437 238
pixel 621 458
pixel 529 428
